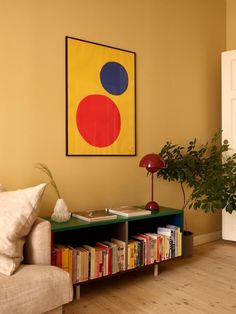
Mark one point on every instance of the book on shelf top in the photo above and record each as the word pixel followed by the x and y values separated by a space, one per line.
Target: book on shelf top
pixel 94 215
pixel 129 211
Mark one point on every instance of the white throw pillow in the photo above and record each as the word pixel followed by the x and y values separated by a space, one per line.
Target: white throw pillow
pixel 9 264
pixel 18 211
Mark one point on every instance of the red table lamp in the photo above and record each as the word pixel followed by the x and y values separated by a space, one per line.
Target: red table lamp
pixel 152 162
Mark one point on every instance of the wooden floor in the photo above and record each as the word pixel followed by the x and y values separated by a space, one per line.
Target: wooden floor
pixel 205 283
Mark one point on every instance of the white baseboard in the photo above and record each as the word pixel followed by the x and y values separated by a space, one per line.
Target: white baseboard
pixel 207 237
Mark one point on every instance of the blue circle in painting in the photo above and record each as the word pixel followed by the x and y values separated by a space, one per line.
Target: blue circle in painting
pixel 114 78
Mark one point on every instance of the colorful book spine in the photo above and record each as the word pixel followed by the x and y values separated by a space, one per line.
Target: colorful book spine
pixel 79 265
pixel 121 254
pixel 130 254
pixel 100 262
pixel 92 265
pixel 147 248
pixel 106 262
pixel 70 263
pixel 62 256
pixel 143 249
pixel 112 257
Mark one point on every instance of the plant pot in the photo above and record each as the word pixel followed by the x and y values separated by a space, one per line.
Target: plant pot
pixel 187 244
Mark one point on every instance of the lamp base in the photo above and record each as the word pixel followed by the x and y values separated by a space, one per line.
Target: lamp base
pixel 152 206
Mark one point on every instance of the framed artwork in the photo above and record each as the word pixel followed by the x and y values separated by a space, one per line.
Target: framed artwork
pixel 100 100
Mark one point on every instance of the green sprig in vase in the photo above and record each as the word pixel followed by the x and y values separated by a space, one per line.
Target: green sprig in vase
pixel 60 212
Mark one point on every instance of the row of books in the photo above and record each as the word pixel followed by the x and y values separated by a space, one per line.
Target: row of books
pixel 89 262
pixel 148 248
pixel 109 257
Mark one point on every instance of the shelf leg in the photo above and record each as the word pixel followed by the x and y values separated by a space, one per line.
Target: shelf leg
pixel 77 292
pixel 155 270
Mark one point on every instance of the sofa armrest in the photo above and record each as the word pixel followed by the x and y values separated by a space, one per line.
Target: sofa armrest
pixel 37 249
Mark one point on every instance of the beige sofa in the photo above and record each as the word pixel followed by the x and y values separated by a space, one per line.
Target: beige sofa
pixel 36 287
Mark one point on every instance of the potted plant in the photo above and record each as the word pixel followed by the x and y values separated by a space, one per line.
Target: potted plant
pixel 208 171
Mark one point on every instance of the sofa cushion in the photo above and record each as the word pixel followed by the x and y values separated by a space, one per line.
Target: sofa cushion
pixel 34 289
pixel 18 211
pixel 37 248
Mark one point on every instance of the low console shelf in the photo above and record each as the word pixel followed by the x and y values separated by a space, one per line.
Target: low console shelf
pixel 76 232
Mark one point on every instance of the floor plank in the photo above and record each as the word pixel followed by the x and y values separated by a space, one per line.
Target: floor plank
pixel 205 283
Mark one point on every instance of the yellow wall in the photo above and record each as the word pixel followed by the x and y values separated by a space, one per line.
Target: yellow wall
pixel 178 46
pixel 231 25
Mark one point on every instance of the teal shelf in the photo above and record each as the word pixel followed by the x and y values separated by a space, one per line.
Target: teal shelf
pixel 77 232
pixel 75 223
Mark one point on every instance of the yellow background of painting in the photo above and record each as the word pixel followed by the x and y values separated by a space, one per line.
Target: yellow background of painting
pixel 84 63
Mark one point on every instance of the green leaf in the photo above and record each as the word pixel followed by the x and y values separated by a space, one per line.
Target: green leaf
pixel 212 183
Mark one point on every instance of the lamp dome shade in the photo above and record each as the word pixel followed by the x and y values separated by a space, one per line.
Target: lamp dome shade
pixel 152 162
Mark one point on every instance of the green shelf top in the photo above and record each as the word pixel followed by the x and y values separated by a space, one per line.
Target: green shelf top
pixel 75 223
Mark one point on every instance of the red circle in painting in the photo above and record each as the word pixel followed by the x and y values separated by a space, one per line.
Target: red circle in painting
pixel 98 120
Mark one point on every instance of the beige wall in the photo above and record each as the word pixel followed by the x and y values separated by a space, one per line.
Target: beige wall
pixel 178 46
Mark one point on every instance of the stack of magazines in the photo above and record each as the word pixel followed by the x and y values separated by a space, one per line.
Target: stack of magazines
pixel 94 215
pixel 129 211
